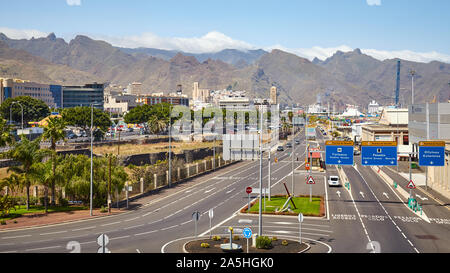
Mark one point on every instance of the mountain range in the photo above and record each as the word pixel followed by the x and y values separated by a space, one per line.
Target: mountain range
pixel 344 78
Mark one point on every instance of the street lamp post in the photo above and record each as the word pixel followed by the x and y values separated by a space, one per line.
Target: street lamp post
pixel 92 145
pixel 412 72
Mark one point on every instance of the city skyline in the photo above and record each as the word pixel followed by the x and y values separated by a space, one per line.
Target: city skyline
pixel 410 30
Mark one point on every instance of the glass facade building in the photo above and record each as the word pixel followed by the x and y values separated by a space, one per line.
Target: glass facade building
pixel 74 96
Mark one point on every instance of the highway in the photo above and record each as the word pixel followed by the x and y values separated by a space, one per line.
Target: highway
pixel 368 218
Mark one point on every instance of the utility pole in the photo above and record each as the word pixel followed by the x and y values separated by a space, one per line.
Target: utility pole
pixel 109 184
pixel 260 173
pixel 412 72
pixel 292 154
pixel 170 148
pixel 92 148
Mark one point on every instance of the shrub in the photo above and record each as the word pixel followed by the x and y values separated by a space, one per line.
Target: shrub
pixel 103 209
pixel 285 243
pixel 216 238
pixel 63 202
pixel 42 201
pixel 274 238
pixel 205 245
pixel 263 242
pixel 2 222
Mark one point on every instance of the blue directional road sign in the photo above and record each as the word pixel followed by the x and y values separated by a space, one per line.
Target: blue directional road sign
pixel 338 152
pixel 379 153
pixel 431 153
pixel 247 232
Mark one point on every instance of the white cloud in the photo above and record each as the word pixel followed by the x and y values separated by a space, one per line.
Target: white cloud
pixel 215 41
pixel 211 42
pixel 73 2
pixel 22 33
pixel 373 2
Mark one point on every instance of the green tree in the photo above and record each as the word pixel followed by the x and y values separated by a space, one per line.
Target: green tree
pixel 41 173
pixel 33 109
pixel 157 125
pixel 27 153
pixel 81 117
pixel 6 138
pixel 54 131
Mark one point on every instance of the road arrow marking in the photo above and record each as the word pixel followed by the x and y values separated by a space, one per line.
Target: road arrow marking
pixel 362 194
pixel 423 198
pixel 339 194
pixel 385 194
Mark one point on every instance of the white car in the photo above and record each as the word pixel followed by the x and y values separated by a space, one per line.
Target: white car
pixel 333 181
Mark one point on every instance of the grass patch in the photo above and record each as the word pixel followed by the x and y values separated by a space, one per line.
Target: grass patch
pixel 21 210
pixel 302 203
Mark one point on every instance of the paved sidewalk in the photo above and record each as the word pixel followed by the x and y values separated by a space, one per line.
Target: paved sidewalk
pixel 40 219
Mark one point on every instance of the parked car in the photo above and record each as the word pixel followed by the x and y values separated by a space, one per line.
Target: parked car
pixel 71 136
pixel 280 148
pixel 288 145
pixel 333 181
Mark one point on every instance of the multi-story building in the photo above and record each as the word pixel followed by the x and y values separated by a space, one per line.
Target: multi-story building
pixel 12 88
pixel 86 95
pixel 429 121
pixel 156 98
pixel 198 94
pixel 119 104
pixel 273 95
pixel 135 88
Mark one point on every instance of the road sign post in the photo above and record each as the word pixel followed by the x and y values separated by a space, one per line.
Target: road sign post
pixel 248 190
pixel 379 153
pixel 431 153
pixel 300 220
pixel 310 181
pixel 247 233
pixel 338 152
pixel 196 217
pixel 211 215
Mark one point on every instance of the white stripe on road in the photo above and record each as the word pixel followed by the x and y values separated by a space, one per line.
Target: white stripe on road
pixel 83 228
pixel 14 237
pixel 113 223
pixel 120 237
pixel 42 248
pixel 133 227
pixel 143 233
pixel 50 233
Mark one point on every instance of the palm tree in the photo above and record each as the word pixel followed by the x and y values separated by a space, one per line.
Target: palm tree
pixel 27 153
pixel 157 125
pixel 54 131
pixel 42 174
pixel 6 138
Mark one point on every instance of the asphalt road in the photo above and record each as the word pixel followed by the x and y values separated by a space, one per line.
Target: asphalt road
pixel 376 220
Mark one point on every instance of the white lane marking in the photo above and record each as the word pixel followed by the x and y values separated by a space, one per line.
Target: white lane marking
pixel 230 190
pixel 42 248
pixel 117 238
pixel 12 251
pixel 294 232
pixel 131 219
pixel 133 226
pixel 209 190
pixel 166 228
pixel 185 222
pixel 113 223
pixel 83 228
pixel 50 233
pixel 14 237
pixel 143 233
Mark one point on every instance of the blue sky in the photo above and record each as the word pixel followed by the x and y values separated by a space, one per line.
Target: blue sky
pixel 414 29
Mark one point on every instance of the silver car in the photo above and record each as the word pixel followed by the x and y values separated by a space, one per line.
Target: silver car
pixel 334 181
